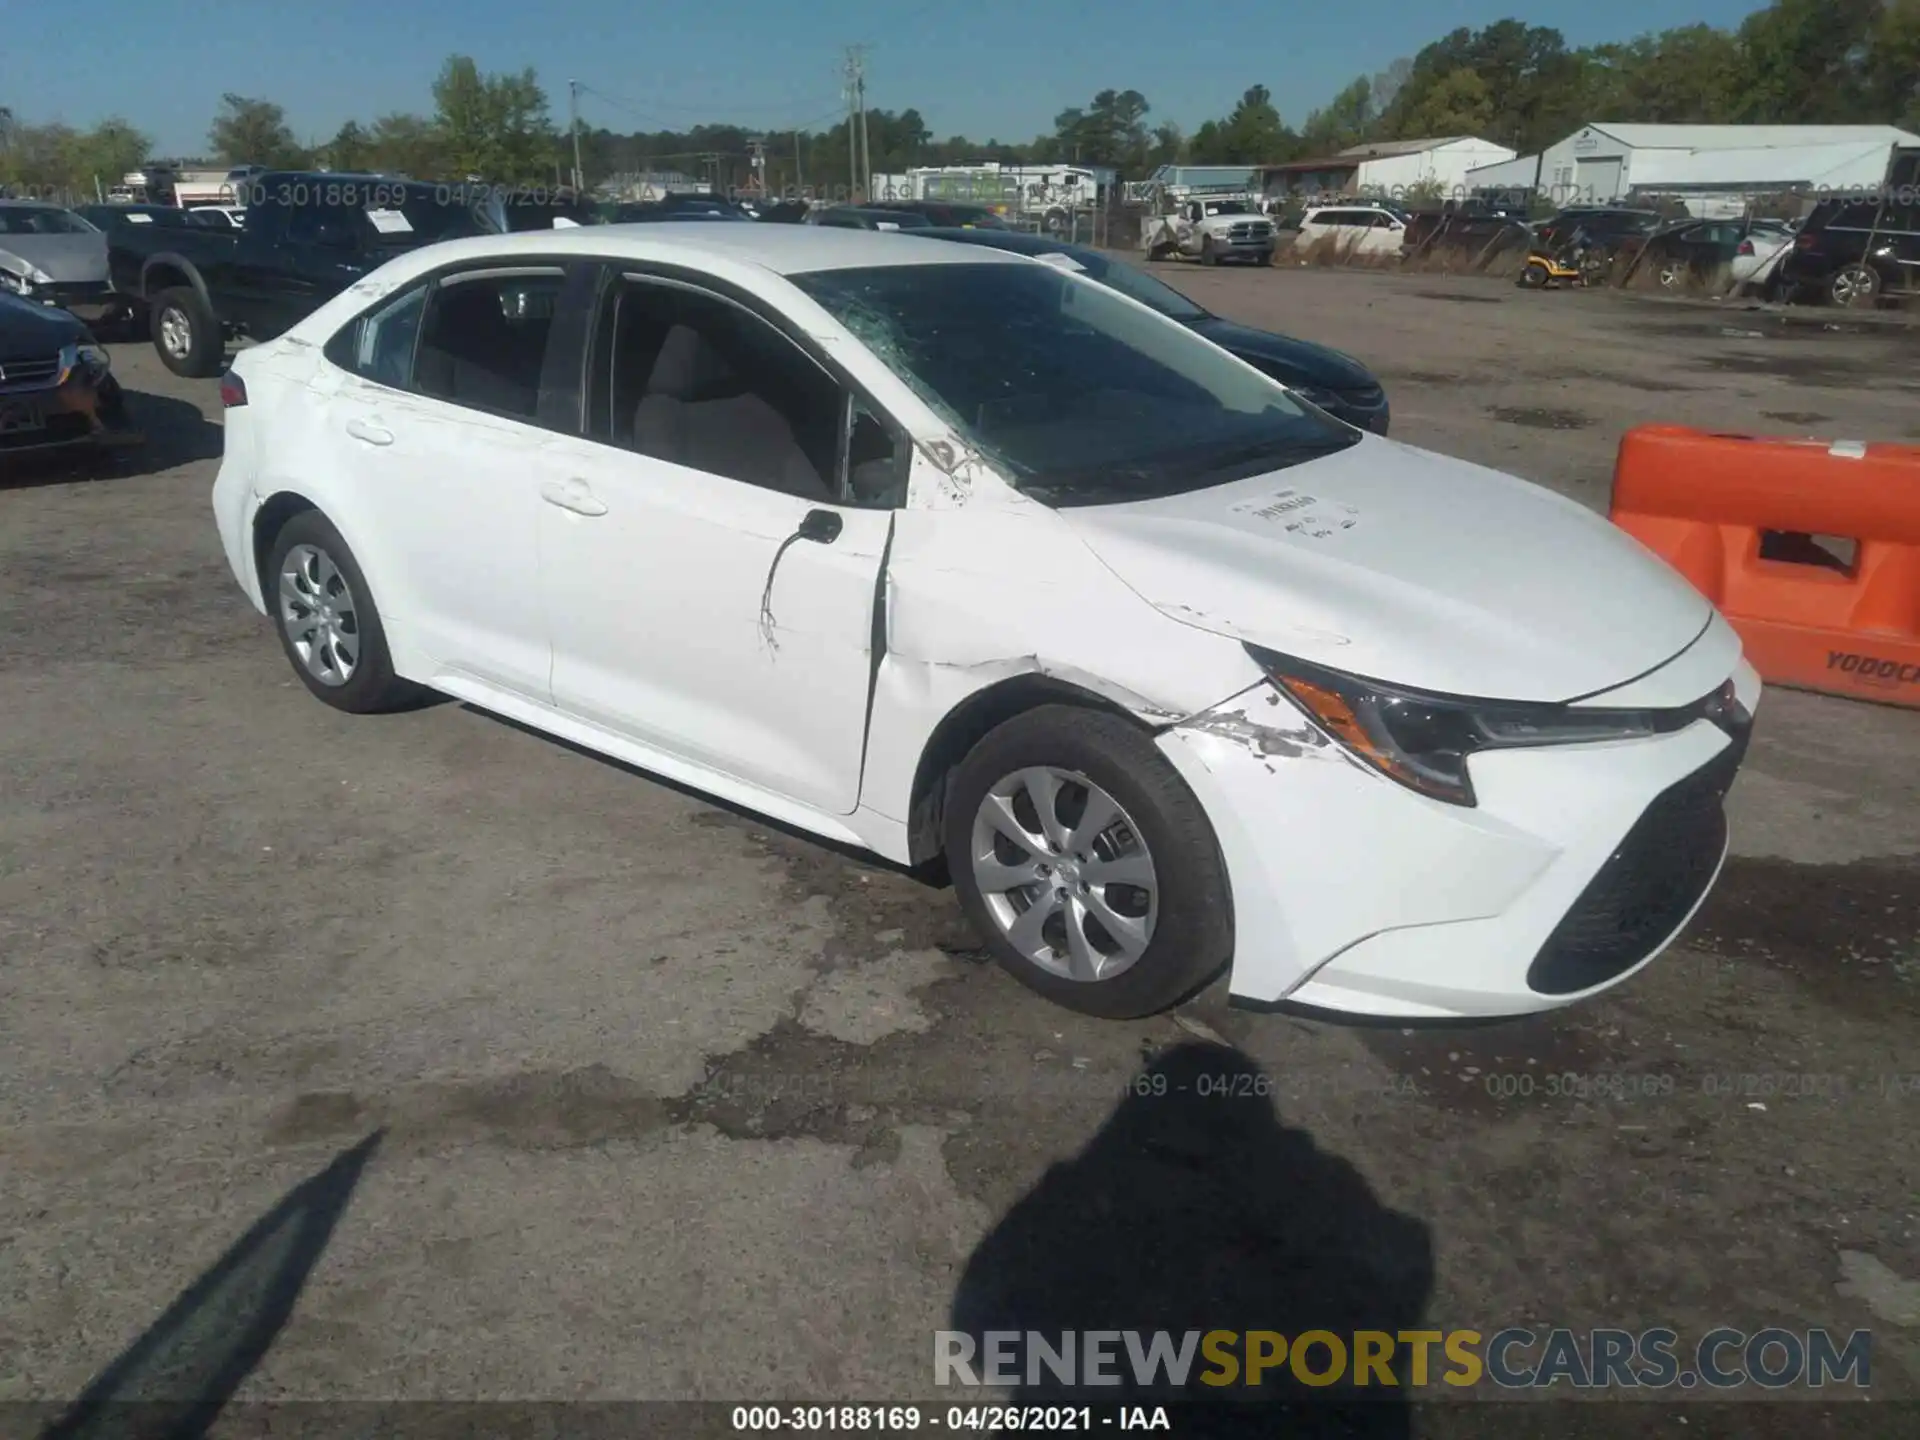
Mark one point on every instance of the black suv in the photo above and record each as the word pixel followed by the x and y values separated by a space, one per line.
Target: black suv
pixel 1854 252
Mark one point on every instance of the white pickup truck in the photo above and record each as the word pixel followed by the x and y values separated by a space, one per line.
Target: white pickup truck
pixel 1211 230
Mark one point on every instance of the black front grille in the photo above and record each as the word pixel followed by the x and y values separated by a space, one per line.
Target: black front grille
pixel 29 374
pixel 1647 886
pixel 1364 397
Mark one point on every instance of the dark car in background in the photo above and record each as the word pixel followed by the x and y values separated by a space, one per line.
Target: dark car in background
pixel 57 389
pixel 1855 252
pixel 307 236
pixel 676 207
pixel 111 217
pixel 863 217
pixel 1336 382
pixel 950 213
pixel 1613 226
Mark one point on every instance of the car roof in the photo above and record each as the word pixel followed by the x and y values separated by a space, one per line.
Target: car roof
pixel 781 249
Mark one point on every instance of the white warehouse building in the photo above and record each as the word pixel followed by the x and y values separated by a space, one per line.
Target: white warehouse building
pixel 1710 168
pixel 1387 169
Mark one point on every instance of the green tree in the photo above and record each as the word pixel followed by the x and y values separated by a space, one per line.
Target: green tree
pixel 349 149
pixel 1458 103
pixel 1345 120
pixel 405 145
pixel 1892 65
pixel 253 132
pixel 496 127
pixel 1802 61
pixel 106 152
pixel 1253 134
pixel 1110 131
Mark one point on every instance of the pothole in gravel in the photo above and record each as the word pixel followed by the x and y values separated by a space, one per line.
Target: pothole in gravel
pixel 1539 419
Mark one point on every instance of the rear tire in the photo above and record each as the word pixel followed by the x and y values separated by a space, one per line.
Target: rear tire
pixel 324 613
pixel 1534 277
pixel 186 335
pixel 1184 913
pixel 1854 287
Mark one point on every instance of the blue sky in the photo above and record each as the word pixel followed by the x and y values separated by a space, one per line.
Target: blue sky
pixel 983 68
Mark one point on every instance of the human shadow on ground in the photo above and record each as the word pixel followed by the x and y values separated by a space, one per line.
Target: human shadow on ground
pixel 1196 1209
pixel 173 1382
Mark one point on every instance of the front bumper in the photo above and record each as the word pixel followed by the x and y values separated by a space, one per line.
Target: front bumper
pixel 1352 894
pixel 77 413
pixel 87 299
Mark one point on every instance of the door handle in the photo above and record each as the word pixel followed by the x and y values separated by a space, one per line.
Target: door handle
pixel 369 431
pixel 574 495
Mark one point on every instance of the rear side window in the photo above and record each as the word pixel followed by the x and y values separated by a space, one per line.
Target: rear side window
pixel 483 339
pixel 1851 215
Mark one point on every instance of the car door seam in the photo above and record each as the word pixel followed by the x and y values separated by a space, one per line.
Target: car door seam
pixel 876 652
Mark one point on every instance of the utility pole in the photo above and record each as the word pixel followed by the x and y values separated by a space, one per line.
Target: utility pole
pixel 573 124
pixel 853 110
pixel 757 148
pixel 799 179
pixel 866 149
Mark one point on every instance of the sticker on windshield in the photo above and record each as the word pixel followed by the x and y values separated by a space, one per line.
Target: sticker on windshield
pixel 1308 516
pixel 390 222
pixel 138 219
pixel 1062 262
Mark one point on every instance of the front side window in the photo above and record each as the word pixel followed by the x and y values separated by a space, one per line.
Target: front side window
pixel 690 378
pixel 1079 397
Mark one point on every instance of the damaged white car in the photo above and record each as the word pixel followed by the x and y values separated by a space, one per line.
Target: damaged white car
pixel 962 557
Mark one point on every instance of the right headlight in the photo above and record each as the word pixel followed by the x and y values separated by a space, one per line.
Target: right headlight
pixel 1424 740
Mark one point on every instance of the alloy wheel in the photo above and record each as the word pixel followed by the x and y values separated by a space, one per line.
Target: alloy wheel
pixel 318 614
pixel 1065 873
pixel 176 333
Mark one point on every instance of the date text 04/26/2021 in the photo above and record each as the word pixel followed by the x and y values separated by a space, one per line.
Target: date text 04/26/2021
pixel 961 1419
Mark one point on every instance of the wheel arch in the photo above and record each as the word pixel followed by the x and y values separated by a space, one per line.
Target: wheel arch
pixel 969 722
pixel 166 271
pixel 269 519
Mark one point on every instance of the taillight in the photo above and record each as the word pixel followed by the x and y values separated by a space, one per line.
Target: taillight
pixel 233 390
pixel 1746 248
pixel 1804 242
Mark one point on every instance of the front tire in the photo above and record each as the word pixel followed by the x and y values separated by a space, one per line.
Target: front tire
pixel 1087 863
pixel 1207 256
pixel 328 625
pixel 185 333
pixel 1535 276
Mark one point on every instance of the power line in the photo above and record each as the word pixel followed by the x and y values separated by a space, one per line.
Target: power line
pixel 652 111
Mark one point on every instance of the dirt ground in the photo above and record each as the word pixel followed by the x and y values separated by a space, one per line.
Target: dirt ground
pixel 671 1104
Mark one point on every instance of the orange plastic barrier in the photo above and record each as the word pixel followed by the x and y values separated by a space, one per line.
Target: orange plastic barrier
pixel 1738 515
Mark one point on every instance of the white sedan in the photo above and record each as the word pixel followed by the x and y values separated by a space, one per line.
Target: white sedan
pixel 964 558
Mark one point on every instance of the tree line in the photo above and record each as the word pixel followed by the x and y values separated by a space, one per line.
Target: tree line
pixel 1795 62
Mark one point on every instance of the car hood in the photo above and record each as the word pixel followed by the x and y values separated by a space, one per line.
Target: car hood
pixel 1410 568
pixel 29 331
pixel 1293 362
pixel 67 259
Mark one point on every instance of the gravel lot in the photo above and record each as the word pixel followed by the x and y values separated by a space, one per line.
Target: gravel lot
pixel 675 1104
